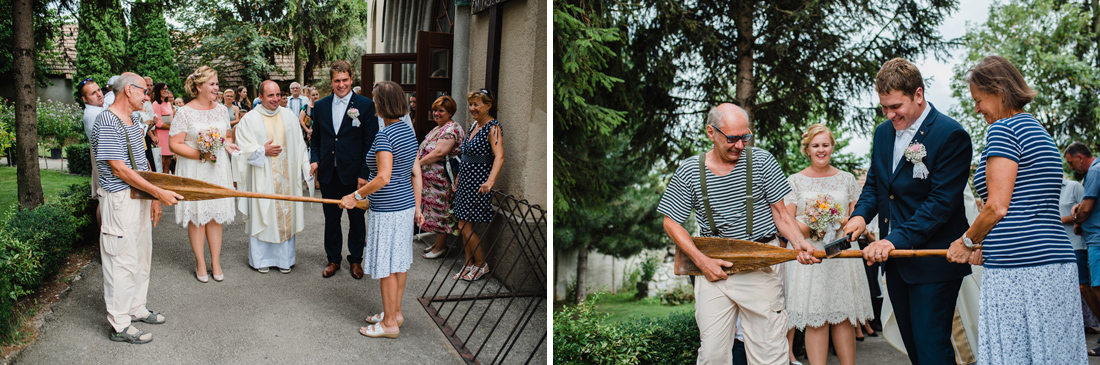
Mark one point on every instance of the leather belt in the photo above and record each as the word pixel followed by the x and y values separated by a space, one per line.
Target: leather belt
pixel 766 239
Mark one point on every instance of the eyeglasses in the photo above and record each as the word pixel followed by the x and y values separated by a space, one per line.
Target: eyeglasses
pixel 734 139
pixel 82 83
pixel 143 89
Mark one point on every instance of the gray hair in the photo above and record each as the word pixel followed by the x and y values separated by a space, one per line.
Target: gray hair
pixel 714 116
pixel 125 80
pixel 293 84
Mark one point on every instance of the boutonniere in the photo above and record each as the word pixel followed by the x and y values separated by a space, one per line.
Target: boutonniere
pixel 915 154
pixel 354 115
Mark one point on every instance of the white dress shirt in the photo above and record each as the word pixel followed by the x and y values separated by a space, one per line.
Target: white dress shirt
pixel 339 108
pixel 903 137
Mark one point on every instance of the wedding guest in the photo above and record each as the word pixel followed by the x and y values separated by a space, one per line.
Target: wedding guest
pixel 1030 306
pixel 830 297
pixel 204 219
pixel 126 245
pixel 92 96
pixel 394 192
pixel 232 112
pixel 482 157
pixel 242 103
pixel 162 107
pixel 440 144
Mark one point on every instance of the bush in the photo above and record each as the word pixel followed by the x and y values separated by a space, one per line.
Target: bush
pixel 80 159
pixel 58 122
pixel 33 242
pixel 679 295
pixel 649 267
pixel 580 337
pixel 671 340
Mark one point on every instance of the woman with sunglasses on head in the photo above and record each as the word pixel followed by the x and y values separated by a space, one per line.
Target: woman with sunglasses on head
pixel 482 157
pixel 204 219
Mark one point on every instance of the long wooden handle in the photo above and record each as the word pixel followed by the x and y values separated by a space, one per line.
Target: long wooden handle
pixel 192 189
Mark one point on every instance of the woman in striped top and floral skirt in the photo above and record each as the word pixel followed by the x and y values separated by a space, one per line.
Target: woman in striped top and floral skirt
pixel 1029 307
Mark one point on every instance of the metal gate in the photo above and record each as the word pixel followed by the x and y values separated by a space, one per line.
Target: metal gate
pixel 502 317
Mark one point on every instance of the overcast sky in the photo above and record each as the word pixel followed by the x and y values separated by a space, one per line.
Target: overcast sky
pixel 937 74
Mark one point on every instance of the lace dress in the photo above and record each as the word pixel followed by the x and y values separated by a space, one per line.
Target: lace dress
pixel 191 121
pixel 834 290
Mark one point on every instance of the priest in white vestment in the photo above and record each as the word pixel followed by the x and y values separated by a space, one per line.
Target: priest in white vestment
pixel 273 160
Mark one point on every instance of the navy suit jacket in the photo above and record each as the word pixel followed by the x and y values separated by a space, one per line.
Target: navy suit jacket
pixel 925 213
pixel 345 149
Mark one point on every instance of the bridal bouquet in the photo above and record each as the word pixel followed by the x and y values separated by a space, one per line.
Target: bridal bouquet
pixel 823 214
pixel 210 140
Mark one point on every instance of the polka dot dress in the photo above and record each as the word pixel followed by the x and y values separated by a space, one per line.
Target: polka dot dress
pixel 469 205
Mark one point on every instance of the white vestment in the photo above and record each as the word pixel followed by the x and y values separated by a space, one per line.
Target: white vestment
pixel 272 224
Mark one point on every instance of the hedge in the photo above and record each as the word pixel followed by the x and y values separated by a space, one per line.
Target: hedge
pixel 580 337
pixel 79 158
pixel 33 242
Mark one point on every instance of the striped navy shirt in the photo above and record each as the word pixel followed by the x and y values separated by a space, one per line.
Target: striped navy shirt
pixel 1031 234
pixel 398 139
pixel 727 196
pixel 109 143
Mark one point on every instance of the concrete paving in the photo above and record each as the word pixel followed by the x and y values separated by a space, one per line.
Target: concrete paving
pixel 295 318
pixel 876 350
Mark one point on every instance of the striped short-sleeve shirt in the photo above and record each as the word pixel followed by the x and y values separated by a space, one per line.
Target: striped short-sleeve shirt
pixel 109 143
pixel 727 196
pixel 1031 234
pixel 399 140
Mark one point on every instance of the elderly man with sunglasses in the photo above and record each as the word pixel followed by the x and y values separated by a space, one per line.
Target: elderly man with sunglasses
pixel 754 296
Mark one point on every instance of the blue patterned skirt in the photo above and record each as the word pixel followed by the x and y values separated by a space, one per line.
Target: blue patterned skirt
pixel 389 243
pixel 1031 315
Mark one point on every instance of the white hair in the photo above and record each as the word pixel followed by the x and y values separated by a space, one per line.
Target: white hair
pixel 125 80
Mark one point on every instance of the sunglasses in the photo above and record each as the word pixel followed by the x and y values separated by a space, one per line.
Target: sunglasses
pixel 733 139
pixel 486 92
pixel 82 83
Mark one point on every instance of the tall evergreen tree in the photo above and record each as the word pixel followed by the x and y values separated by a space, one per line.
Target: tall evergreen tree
pixel 320 31
pixel 150 45
pixel 101 41
pixel 47 28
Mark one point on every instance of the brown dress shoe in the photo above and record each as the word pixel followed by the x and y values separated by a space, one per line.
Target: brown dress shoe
pixel 357 271
pixel 330 270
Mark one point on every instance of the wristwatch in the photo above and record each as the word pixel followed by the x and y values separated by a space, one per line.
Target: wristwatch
pixel 967 242
pixel 358 197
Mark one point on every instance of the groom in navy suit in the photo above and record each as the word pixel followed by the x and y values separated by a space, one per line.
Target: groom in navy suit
pixel 340 141
pixel 919 203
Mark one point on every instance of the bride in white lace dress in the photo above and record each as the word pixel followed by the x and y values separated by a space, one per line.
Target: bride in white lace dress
pixel 204 218
pixel 831 296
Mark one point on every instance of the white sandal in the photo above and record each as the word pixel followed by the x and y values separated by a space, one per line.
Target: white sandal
pixel 376 331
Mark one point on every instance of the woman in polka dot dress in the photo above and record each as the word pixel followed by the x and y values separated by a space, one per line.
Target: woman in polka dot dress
pixel 482 156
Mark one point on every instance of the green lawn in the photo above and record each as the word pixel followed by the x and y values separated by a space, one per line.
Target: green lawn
pixel 52 182
pixel 623 306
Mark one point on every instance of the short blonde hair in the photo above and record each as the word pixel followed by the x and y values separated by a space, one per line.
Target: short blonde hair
pixel 197 78
pixel 811 132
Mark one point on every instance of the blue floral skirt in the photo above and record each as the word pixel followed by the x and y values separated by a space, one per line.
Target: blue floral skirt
pixel 1031 315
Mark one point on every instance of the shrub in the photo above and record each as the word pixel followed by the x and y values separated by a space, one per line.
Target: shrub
pixel 580 337
pixel 670 340
pixel 80 160
pixel 679 295
pixel 18 262
pixel 33 242
pixel 649 267
pixel 58 122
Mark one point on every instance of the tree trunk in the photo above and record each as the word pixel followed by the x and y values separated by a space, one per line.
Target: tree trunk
pixel 746 89
pixel 582 269
pixel 26 124
pixel 298 64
